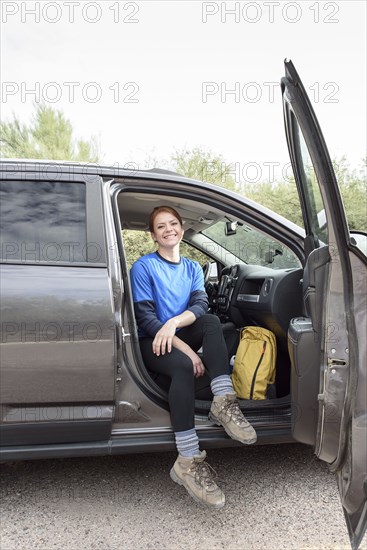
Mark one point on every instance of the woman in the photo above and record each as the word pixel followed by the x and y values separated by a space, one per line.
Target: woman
pixel 171 312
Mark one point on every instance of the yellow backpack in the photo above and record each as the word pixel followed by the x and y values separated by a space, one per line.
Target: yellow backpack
pixel 254 366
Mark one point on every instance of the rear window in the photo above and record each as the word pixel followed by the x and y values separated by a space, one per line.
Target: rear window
pixel 43 221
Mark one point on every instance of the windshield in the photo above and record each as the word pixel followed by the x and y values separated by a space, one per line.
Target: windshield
pixel 251 246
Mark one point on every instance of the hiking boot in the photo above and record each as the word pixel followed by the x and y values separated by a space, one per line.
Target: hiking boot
pixel 198 479
pixel 225 411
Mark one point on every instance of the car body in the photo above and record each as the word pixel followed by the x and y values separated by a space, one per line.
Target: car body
pixel 73 382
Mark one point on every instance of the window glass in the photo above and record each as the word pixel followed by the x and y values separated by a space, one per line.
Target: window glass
pixel 312 195
pixel 43 221
pixel 136 244
pixel 252 246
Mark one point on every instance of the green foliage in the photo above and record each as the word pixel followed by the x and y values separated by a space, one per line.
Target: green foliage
pixel 136 244
pixel 48 136
pixel 281 197
pixel 353 188
pixel 193 254
pixel 203 165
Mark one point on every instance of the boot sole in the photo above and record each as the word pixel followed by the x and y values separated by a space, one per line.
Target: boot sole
pixel 179 481
pixel 231 435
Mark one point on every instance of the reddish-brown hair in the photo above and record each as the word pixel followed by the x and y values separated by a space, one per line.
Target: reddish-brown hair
pixel 157 210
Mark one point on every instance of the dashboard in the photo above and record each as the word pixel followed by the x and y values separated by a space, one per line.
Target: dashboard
pixel 257 295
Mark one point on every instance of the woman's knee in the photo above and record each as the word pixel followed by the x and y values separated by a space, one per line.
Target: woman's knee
pixel 211 325
pixel 184 370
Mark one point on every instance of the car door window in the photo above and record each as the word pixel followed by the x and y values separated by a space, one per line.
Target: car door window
pixel 312 196
pixel 43 221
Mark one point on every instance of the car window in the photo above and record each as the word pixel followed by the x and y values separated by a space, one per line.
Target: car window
pixel 312 194
pixel 252 246
pixel 43 221
pixel 194 254
pixel 136 244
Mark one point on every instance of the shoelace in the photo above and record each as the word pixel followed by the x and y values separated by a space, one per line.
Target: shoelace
pixel 204 474
pixel 232 408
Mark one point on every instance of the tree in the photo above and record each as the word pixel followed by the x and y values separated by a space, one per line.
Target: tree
pixel 136 244
pixel 203 165
pixel 48 136
pixel 282 196
pixel 353 189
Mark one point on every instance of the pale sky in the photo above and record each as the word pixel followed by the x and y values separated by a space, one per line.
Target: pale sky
pixel 151 77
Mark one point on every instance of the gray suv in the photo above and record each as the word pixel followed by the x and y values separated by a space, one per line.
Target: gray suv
pixel 73 382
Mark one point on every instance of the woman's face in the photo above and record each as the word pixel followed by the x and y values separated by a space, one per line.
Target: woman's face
pixel 168 231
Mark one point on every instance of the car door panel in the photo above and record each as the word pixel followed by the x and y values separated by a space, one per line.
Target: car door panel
pixel 57 339
pixel 351 474
pixel 334 304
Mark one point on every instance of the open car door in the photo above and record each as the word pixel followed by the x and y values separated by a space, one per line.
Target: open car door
pixel 328 345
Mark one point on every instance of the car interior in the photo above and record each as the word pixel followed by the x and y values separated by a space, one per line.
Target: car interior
pixel 251 278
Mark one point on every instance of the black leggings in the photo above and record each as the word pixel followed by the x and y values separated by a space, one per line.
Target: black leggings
pixel 206 331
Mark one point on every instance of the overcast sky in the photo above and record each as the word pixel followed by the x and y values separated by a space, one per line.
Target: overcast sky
pixel 151 77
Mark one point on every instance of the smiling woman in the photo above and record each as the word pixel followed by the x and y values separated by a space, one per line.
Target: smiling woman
pixel 171 312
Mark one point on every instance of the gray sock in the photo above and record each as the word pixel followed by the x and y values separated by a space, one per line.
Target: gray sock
pixel 222 385
pixel 187 443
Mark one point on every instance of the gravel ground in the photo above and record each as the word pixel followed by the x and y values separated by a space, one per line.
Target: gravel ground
pixel 278 497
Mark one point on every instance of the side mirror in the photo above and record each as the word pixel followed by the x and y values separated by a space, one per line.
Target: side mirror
pixel 270 255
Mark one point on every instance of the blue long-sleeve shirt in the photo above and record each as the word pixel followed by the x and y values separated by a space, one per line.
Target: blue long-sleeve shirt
pixel 163 289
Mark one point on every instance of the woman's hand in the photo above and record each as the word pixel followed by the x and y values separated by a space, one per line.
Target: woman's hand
pixel 165 339
pixel 162 342
pixel 197 364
